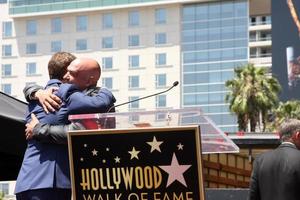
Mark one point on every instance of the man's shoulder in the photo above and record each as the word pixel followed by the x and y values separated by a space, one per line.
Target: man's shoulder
pixel 279 150
pixel 267 154
pixel 53 82
pixel 66 89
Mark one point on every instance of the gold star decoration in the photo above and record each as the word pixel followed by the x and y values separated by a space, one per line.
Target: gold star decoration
pixel 117 159
pixel 95 152
pixel 180 146
pixel 155 145
pixel 134 153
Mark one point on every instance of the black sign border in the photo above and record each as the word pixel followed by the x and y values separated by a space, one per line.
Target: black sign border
pixel 160 130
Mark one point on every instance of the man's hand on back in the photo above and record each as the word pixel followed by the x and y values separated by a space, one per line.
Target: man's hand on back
pixel 48 100
pixel 29 126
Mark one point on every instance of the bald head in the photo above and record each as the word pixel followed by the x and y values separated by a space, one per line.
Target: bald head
pixel 83 72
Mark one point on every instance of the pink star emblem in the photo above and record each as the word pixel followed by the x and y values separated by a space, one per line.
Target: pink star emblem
pixel 175 171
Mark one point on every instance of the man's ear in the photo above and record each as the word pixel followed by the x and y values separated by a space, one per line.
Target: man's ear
pixel 297 135
pixel 88 82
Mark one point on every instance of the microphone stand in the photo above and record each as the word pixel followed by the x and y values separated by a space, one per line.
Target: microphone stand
pixel 128 102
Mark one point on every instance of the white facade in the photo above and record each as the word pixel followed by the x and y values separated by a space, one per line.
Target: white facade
pixel 120 52
pixel 133 71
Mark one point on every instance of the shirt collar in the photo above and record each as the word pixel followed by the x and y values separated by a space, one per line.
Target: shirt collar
pixel 289 143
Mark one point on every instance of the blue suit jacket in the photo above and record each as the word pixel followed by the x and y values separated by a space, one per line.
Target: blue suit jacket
pixel 47 165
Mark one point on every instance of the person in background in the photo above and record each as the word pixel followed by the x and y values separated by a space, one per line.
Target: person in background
pixel 276 174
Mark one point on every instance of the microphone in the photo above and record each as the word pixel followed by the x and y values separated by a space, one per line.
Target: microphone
pixel 158 93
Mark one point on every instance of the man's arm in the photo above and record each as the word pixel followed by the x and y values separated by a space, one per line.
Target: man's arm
pixel 46 133
pixel 47 99
pixel 79 103
pixel 30 90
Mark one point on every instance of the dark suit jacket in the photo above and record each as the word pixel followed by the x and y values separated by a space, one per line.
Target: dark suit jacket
pixel 276 175
pixel 47 165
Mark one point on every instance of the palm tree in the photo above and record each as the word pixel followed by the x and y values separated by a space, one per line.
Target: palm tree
pixel 287 110
pixel 252 94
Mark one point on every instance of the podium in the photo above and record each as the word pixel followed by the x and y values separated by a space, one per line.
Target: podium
pixel 150 155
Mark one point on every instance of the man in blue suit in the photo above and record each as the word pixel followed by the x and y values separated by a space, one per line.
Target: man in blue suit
pixel 45 169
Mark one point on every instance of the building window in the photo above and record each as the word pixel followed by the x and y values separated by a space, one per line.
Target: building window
pixel 265 52
pixel 81 23
pixel 56 46
pixel 31 27
pixel 6 29
pixel 107 21
pixel 161 101
pixel 4 188
pixel 134 118
pixel 135 104
pixel 268 19
pixel 134 61
pixel 107 82
pixel 133 18
pixel 160 59
pixel 6 88
pixel 107 63
pixel 6 50
pixel 107 42
pixel 81 44
pixel 160 80
pixel 133 40
pixel 56 25
pixel 160 116
pixel 252 20
pixel 6 70
pixel 160 16
pixel 31 48
pixel 30 69
pixel 134 82
pixel 160 38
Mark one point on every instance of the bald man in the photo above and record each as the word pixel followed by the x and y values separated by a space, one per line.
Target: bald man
pixel 82 74
pixel 44 174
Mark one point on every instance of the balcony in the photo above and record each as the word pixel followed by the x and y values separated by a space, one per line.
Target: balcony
pixel 261 59
pixel 261 55
pixel 261 25
pixel 260 42
pixel 259 39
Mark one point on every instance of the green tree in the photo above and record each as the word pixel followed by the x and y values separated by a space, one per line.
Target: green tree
pixel 1 195
pixel 252 94
pixel 285 110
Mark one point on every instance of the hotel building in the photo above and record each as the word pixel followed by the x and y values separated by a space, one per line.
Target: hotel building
pixel 143 46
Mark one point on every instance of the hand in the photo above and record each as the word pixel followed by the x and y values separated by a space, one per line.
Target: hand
pixel 48 100
pixel 29 126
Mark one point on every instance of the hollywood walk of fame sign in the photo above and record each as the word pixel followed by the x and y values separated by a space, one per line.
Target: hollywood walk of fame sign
pixel 137 164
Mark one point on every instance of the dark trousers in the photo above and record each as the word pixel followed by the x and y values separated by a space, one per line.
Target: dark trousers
pixel 45 194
